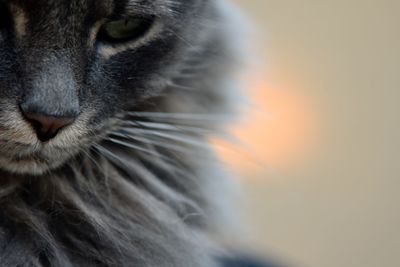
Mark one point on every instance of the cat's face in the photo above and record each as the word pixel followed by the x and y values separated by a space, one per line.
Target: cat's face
pixel 68 67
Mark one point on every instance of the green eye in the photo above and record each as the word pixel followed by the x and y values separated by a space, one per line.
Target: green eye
pixel 124 30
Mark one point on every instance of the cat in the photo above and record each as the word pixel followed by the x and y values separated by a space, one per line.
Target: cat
pixel 107 108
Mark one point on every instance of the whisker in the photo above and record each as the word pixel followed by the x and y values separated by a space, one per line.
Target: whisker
pixel 181 87
pixel 178 116
pixel 184 40
pixel 170 127
pixel 130 145
pixel 166 192
pixel 188 75
pixel 164 162
pixel 148 141
pixel 105 173
pixel 178 138
pixel 171 166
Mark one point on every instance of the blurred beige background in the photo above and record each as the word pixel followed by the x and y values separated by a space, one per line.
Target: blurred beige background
pixel 322 175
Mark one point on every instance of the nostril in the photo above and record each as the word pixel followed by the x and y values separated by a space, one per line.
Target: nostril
pixel 47 127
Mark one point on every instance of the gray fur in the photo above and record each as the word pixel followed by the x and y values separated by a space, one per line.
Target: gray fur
pixel 133 181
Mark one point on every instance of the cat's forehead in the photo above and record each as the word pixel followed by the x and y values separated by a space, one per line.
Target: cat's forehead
pixel 101 7
pixel 55 21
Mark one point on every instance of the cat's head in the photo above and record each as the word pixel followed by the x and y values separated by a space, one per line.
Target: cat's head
pixel 68 68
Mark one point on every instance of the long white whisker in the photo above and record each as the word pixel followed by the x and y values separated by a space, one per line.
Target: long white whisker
pixel 130 145
pixel 179 138
pixel 147 141
pixel 181 87
pixel 171 127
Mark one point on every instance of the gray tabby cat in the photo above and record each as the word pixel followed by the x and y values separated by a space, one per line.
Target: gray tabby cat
pixel 106 109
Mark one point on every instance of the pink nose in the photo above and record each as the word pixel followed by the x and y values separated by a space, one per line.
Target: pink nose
pixel 47 127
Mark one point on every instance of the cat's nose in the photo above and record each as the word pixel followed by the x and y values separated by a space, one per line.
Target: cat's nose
pixel 46 126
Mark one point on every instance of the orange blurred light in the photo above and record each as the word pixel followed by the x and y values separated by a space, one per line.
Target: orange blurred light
pixel 276 133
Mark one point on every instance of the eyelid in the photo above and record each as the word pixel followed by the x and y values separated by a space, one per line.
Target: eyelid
pixel 113 17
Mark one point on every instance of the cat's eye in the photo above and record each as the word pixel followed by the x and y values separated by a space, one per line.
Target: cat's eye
pixel 124 30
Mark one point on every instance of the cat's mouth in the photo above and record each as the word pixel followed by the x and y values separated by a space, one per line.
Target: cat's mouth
pixel 23 152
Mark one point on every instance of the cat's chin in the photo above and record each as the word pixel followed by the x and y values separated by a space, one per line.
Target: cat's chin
pixel 33 165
